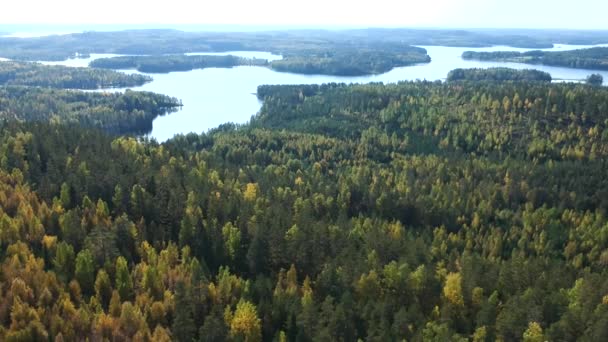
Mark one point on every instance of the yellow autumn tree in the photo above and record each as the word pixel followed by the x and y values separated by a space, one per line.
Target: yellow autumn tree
pixel 452 289
pixel 251 191
pixel 534 333
pixel 245 324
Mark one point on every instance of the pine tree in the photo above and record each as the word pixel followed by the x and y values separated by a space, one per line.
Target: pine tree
pixel 65 196
pixel 124 283
pixel 64 261
pixel 214 329
pixel 183 327
pixel 103 288
pixel 85 271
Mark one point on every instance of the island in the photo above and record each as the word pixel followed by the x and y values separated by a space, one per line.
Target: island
pixel 350 62
pixel 55 76
pixel 592 58
pixel 340 63
pixel 169 63
pixel 498 74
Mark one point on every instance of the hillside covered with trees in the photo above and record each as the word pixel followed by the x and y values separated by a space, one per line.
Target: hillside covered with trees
pixel 131 112
pixel 419 211
pixel 169 63
pixel 55 76
pixel 592 58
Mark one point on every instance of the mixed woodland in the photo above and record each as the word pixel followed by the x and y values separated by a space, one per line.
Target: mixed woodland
pixel 418 211
pixel 592 58
pixel 498 75
pixel 14 73
pixel 327 63
pixel 170 63
pixel 131 112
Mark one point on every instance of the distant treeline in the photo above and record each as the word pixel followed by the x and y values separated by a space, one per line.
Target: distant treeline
pixel 498 74
pixel 157 42
pixel 117 113
pixel 341 52
pixel 169 63
pixel 54 76
pixel 593 58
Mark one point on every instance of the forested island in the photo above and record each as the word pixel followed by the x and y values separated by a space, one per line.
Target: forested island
pixel 55 76
pixel 340 63
pixel 498 74
pixel 592 58
pixel 350 63
pixel 169 63
pixel 130 112
pixel 419 211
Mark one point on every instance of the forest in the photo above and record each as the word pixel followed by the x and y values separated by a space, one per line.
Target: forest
pixel 350 63
pixel 345 62
pixel 131 112
pixel 169 63
pixel 592 58
pixel 498 74
pixel 55 76
pixel 418 211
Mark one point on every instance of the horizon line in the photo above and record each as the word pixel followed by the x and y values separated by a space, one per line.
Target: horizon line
pixel 290 26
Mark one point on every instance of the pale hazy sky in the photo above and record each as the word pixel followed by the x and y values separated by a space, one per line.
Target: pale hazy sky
pixel 583 14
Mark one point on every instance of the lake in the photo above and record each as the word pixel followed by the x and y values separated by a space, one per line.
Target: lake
pixel 219 95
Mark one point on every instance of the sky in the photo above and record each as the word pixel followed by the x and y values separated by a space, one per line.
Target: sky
pixel 578 14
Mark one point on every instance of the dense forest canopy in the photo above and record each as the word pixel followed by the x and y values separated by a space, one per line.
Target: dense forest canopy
pixel 169 63
pixel 130 112
pixel 592 58
pixel 498 74
pixel 55 76
pixel 419 211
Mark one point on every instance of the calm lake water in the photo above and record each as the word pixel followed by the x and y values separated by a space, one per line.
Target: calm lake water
pixel 218 95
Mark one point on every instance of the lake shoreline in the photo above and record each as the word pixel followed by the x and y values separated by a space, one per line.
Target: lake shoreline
pixel 214 96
